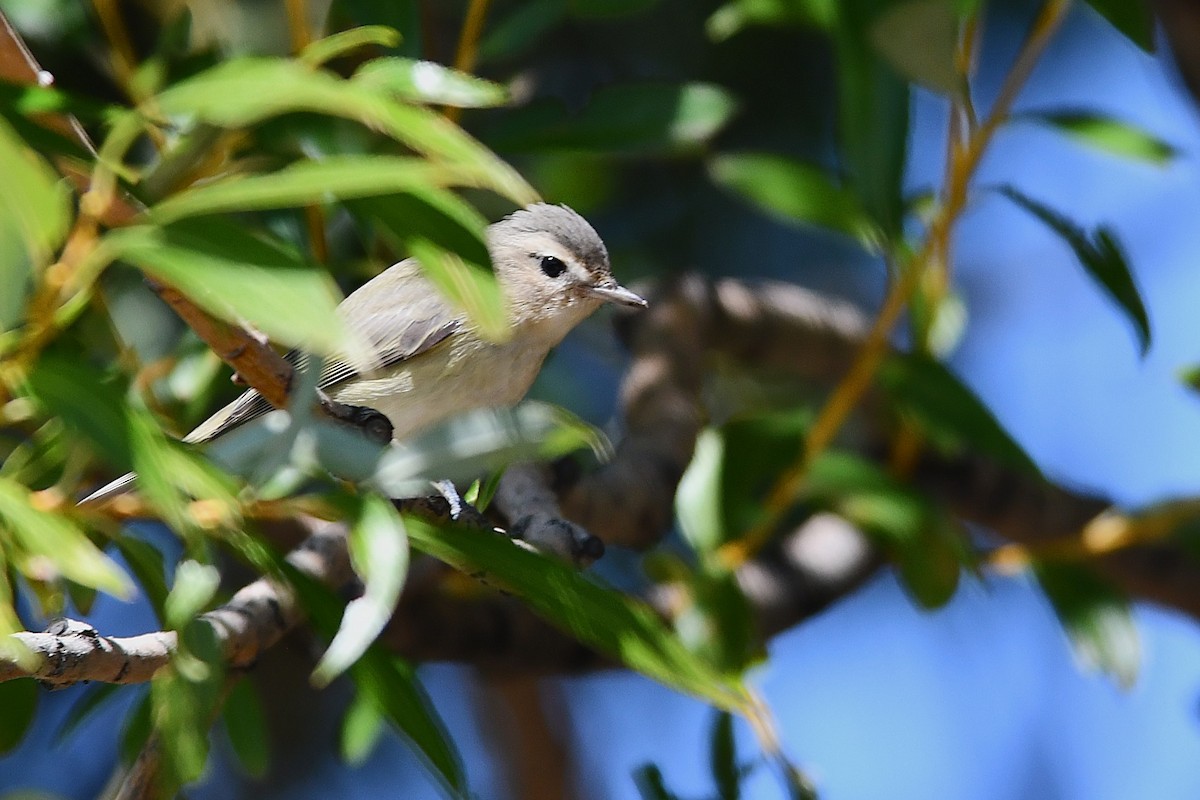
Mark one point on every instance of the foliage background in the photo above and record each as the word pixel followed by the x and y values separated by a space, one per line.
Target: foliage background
pixel 980 699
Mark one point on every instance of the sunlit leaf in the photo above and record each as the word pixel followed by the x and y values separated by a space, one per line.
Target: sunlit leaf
pixel 469 286
pixel 947 410
pixel 246 727
pixel 698 498
pixel 920 38
pixel 379 552
pixel 1106 133
pixel 18 703
pixel 238 276
pixel 736 15
pixel 793 190
pixel 608 620
pixel 361 728
pixel 1101 256
pixel 1098 620
pixel 305 182
pixel 184 698
pixel 194 587
pixel 343 42
pixel 430 82
pixel 58 542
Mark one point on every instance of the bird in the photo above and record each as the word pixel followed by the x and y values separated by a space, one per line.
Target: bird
pixel 431 362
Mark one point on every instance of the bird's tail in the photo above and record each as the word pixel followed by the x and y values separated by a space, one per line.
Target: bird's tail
pixel 110 490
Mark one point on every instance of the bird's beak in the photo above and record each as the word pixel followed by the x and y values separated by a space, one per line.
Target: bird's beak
pixel 616 293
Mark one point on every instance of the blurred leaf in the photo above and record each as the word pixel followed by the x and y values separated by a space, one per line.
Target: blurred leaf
pixel 1101 256
pixel 146 563
pixel 379 552
pixel 604 9
pixel 394 687
pixel 722 757
pixel 482 442
pixel 1131 18
pixel 245 91
pixel 307 182
pixel 920 38
pixel 921 538
pixel 793 191
pixel 650 784
pixel 35 211
pixel 732 17
pixel 514 33
pixel 194 587
pixel 603 618
pixel 12 649
pixel 431 83
pixel 1106 133
pixel 1190 376
pixel 757 449
pixel 361 728
pixel 698 498
pixel 18 702
pixel 55 540
pixel 340 43
pixel 718 625
pixel 246 726
pixel 1098 620
pixel 94 697
pixel 239 277
pixel 623 118
pixel 184 698
pixel 947 410
pixel 873 114
pixel 469 286
pixel 136 730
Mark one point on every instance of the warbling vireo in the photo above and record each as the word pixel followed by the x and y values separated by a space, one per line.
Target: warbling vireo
pixel 432 364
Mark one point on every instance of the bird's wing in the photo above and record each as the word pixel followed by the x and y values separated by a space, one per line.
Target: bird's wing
pixel 416 310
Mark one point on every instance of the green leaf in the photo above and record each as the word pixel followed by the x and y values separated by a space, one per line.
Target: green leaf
pixel 431 83
pixel 393 686
pixel 246 726
pixel 245 91
pixel 470 286
pixel 600 617
pixel 946 410
pixel 184 698
pixel 698 498
pixel 734 16
pixel 238 276
pixel 35 211
pixel 873 112
pixel 57 541
pixel 920 39
pixel 379 553
pixel 146 563
pixel 307 182
pixel 136 730
pixel 1131 18
pixel 340 43
pixel 606 9
pixel 18 703
pixel 623 119
pixel 757 449
pixel 361 728
pixel 194 588
pixel 1098 620
pixel 650 784
pixel 1106 133
pixel 793 191
pixel 722 757
pixel 1101 256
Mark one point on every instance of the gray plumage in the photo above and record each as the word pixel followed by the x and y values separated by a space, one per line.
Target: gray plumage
pixel 431 362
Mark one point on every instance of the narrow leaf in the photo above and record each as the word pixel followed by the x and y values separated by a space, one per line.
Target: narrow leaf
pixel 1101 256
pixel 194 588
pixel 723 757
pixel 920 39
pixel 430 82
pixel 1132 19
pixel 794 191
pixel 1097 619
pixel 698 498
pixel 239 277
pixel 95 697
pixel 1106 133
pixel 18 703
pixel 598 616
pixel 361 728
pixel 246 726
pixel 343 42
pixel 379 553
pixel 947 410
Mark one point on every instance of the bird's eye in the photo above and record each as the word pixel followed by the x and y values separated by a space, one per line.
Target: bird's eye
pixel 552 266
